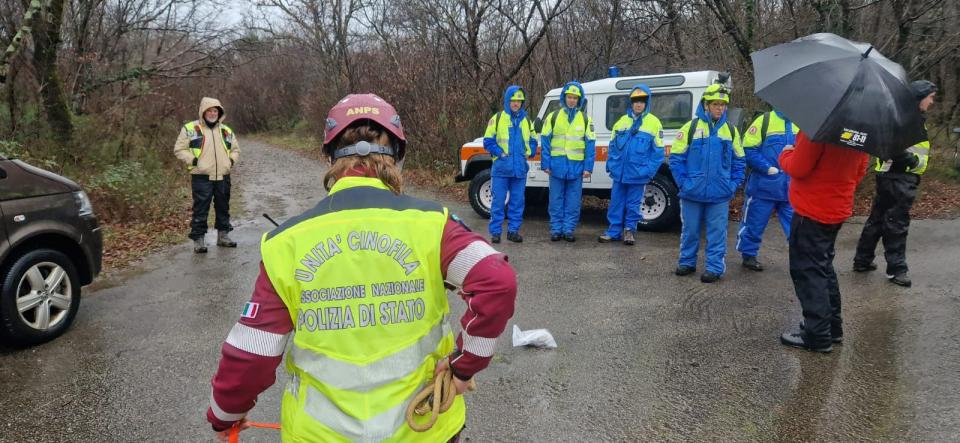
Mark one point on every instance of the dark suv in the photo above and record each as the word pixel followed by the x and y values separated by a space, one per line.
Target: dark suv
pixel 50 246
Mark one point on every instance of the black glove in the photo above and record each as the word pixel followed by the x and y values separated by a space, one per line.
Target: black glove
pixel 905 160
pixel 195 161
pixel 912 161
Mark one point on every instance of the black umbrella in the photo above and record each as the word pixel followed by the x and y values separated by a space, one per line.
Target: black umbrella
pixel 840 92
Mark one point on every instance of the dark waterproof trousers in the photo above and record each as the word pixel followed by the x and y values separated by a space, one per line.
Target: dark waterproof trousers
pixel 814 279
pixel 205 191
pixel 889 220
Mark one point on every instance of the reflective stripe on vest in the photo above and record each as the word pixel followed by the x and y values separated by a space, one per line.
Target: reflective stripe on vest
pixel 568 138
pixel 197 138
pixel 343 375
pixel 503 124
pixel 361 277
pixel 922 151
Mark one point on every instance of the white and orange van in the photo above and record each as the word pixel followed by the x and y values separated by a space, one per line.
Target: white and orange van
pixel 675 97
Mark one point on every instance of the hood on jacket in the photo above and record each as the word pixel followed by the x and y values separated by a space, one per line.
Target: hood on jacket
pixel 506 100
pixel 207 103
pixel 563 99
pixel 646 110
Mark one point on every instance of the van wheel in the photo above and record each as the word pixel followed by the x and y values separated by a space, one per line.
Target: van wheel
pixel 661 205
pixel 481 193
pixel 39 297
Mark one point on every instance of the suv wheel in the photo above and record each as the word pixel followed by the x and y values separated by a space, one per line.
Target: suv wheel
pixel 481 193
pixel 39 297
pixel 661 205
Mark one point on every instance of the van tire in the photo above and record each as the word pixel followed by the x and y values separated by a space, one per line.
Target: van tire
pixel 481 193
pixel 15 284
pixel 661 200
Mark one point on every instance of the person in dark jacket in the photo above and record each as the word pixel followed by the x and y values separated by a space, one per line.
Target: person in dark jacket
pixel 897 181
pixel 823 178
pixel 634 156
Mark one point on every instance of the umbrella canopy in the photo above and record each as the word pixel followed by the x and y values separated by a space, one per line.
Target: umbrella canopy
pixel 841 92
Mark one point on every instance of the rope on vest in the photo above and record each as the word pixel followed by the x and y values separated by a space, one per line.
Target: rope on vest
pixel 426 402
pixel 235 430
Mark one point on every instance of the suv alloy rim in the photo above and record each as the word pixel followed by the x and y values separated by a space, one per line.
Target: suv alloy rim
pixel 44 295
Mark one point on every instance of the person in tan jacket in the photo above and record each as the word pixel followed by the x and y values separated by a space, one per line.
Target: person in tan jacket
pixel 209 148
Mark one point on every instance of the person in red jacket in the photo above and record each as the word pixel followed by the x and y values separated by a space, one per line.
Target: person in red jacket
pixel 823 178
pixel 256 344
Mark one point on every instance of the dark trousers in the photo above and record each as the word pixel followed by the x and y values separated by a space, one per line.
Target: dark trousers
pixel 814 280
pixel 889 220
pixel 205 191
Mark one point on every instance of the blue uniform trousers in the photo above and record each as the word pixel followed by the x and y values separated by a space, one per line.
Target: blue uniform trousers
pixel 711 216
pixel 502 186
pixel 756 214
pixel 624 210
pixel 565 204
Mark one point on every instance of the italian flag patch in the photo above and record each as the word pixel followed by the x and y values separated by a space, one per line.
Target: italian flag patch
pixel 250 310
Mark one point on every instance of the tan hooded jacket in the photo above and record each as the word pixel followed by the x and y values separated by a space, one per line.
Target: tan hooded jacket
pixel 214 159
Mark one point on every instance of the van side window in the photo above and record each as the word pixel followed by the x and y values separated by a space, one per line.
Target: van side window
pixel 672 108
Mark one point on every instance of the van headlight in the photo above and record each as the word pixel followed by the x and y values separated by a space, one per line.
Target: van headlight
pixel 83 203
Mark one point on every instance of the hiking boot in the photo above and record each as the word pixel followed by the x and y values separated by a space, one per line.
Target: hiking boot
pixel 684 270
pixel 860 267
pixel 495 239
pixel 199 247
pixel 752 264
pixel 628 238
pixel 604 238
pixel 901 280
pixel 514 237
pixel 836 337
pixel 800 340
pixel 709 277
pixel 555 236
pixel 223 239
pixel 569 237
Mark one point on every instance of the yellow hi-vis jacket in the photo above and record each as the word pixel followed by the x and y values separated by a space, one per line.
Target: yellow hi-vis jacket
pixel 920 150
pixel 361 277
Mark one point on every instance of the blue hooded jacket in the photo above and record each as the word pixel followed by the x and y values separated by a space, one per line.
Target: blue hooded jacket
pixel 515 164
pixel 761 158
pixel 710 169
pixel 635 156
pixel 563 167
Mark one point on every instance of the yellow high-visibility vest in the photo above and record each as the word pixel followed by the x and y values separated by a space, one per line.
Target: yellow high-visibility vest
pixel 361 276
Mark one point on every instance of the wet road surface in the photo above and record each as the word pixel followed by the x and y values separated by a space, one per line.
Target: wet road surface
pixel 643 355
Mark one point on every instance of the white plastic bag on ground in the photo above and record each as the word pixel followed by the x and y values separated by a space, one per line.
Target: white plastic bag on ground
pixel 539 338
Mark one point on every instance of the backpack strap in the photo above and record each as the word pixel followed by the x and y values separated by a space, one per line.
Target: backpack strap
pixel 764 126
pixel 693 128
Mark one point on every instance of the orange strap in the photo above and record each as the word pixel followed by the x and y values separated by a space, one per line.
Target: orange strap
pixel 235 430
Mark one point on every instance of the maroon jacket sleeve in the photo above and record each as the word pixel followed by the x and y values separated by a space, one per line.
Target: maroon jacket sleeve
pixel 251 354
pixel 800 161
pixel 487 284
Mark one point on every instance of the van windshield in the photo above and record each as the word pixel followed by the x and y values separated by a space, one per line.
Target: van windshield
pixel 672 108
